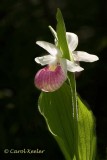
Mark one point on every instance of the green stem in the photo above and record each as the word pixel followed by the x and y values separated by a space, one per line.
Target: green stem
pixel 71 78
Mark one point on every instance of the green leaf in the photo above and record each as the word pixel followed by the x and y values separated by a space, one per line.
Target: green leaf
pixel 56 107
pixel 86 131
pixel 61 34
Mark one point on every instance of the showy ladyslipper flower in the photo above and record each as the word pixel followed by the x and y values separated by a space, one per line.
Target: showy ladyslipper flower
pixel 54 74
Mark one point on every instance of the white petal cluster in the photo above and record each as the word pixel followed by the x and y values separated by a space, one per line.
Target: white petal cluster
pixel 55 56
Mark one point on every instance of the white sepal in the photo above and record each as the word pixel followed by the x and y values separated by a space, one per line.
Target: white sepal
pixel 72 40
pixel 73 67
pixel 51 48
pixel 84 56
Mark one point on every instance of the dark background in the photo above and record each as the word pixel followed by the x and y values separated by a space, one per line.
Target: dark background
pixel 22 22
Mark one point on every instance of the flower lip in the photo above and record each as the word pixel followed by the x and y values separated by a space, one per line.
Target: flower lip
pixel 49 80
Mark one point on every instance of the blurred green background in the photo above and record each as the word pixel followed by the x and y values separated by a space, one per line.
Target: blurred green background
pixel 22 23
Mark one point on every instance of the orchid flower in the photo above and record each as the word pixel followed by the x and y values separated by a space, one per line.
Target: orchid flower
pixel 51 77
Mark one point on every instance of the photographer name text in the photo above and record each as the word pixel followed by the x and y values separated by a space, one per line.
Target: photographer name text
pixel 24 151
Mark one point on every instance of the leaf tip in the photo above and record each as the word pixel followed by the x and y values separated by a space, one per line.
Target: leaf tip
pixel 58 13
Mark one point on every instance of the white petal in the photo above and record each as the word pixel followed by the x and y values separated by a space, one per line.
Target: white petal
pixel 72 40
pixel 73 67
pixel 84 56
pixel 51 48
pixel 44 59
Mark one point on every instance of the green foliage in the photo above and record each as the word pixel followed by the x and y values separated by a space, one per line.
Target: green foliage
pixel 71 123
pixel 56 107
pixel 21 24
pixel 61 33
pixel 86 131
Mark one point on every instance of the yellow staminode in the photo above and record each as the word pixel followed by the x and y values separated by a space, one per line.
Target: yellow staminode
pixel 52 67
